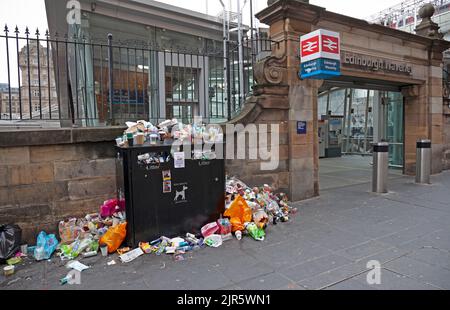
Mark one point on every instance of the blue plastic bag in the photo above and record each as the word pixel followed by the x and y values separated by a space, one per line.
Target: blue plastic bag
pixel 45 246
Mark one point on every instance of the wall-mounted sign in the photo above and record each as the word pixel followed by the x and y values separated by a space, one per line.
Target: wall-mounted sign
pixel 370 63
pixel 320 53
pixel 302 128
pixel 321 68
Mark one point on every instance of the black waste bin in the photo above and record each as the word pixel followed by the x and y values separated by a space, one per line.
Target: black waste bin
pixel 162 200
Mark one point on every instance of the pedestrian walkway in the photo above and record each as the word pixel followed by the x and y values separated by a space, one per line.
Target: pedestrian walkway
pixel 327 246
pixel 348 170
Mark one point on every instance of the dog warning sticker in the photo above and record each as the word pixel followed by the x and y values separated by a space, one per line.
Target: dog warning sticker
pixel 180 192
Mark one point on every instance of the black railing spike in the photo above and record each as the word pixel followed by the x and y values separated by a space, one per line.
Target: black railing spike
pixel 6 29
pixel 37 32
pixel 56 35
pixel 27 31
pixel 47 34
pixel 16 31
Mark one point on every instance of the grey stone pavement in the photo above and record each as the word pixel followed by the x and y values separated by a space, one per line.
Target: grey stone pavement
pixel 326 246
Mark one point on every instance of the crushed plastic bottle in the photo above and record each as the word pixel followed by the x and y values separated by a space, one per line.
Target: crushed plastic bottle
pixel 162 247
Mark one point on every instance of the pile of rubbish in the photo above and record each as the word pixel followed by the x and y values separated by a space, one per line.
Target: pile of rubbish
pixel 85 236
pixel 170 130
pixel 249 211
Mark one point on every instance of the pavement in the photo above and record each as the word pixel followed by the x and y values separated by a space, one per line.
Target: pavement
pixel 326 246
pixel 348 170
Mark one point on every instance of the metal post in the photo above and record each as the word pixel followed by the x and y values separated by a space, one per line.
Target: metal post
pixel 344 126
pixel 252 37
pixel 111 76
pixel 241 56
pixel 380 167
pixel 228 81
pixel 349 124
pixel 366 123
pixel 423 162
pixel 225 50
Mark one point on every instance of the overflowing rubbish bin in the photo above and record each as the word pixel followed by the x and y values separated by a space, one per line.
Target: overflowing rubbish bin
pixel 165 192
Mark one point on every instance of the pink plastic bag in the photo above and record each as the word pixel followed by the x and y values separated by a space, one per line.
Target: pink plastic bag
pixel 209 229
pixel 111 206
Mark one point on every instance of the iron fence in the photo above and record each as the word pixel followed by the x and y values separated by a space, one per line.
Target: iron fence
pixel 73 80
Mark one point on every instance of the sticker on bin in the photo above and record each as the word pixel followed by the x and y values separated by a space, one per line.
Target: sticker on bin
pixel 179 160
pixel 167 176
pixel 167 187
pixel 180 192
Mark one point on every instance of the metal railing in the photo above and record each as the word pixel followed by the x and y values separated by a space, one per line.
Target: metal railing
pixel 78 82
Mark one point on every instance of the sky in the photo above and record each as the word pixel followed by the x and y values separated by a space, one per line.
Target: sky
pixel 32 13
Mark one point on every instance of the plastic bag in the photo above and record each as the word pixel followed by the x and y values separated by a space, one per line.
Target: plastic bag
pixel 214 241
pixel 45 246
pixel 114 237
pixel 210 229
pixel 111 206
pixel 69 231
pixel 257 233
pixel 225 229
pixel 239 214
pixel 10 240
pixel 260 218
pixel 76 248
pixel 224 226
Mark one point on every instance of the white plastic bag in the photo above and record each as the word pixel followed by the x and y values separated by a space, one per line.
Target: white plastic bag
pixel 213 241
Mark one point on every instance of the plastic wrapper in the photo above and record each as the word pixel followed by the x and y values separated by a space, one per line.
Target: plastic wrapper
pixel 210 229
pixel 77 247
pixel 260 218
pixel 257 233
pixel 114 237
pixel 239 213
pixel 236 186
pixel 213 241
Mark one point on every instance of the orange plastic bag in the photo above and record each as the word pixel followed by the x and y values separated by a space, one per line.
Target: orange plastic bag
pixel 239 213
pixel 114 237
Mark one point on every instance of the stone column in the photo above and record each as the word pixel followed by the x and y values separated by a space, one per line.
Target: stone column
pixel 416 123
pixel 433 105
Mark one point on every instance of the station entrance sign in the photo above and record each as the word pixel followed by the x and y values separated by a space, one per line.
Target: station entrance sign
pixel 320 53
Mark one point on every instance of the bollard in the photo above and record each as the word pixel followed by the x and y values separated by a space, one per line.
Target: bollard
pixel 423 162
pixel 380 167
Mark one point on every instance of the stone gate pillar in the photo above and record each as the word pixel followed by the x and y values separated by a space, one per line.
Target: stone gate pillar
pixel 280 97
pixel 303 148
pixel 424 105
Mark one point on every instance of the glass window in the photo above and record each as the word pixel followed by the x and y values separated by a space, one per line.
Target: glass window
pixel 182 92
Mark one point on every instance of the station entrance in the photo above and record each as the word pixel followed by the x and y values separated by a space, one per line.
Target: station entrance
pixel 350 120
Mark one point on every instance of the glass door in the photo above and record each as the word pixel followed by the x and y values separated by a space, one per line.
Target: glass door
pixel 392 126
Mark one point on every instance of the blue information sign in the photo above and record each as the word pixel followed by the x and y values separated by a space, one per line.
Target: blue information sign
pixel 321 68
pixel 302 128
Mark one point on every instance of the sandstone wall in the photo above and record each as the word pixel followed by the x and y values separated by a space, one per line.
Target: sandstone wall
pixel 43 183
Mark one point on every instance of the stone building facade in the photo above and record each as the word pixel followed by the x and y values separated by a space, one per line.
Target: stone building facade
pixel 282 97
pixel 5 101
pixel 38 85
